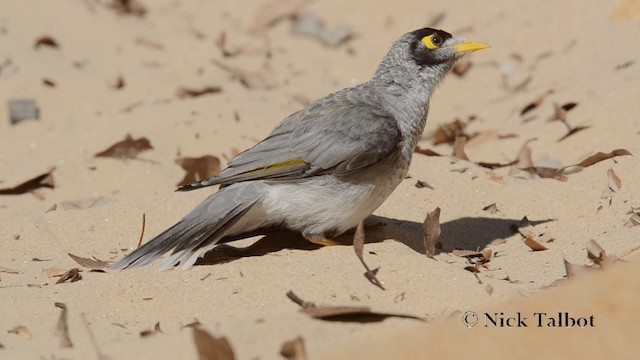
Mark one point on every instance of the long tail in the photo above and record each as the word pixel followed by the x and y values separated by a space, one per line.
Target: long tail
pixel 199 230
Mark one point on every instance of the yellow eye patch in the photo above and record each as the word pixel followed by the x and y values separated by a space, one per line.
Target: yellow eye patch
pixel 432 41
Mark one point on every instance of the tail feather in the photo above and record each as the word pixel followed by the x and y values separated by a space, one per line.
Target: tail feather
pixel 197 232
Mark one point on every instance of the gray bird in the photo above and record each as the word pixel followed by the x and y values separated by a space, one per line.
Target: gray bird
pixel 324 168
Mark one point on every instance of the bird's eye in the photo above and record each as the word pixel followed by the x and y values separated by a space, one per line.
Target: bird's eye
pixel 432 41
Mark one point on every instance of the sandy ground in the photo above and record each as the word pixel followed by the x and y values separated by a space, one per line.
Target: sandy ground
pixel 584 52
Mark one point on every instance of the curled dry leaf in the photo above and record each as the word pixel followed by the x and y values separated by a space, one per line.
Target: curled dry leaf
pixel 62 328
pixel 294 349
pixel 447 133
pixel 432 231
pixel 592 160
pixel 458 148
pixel 573 130
pixel 89 263
pixel 43 180
pixel 210 347
pixel 71 275
pixel 198 168
pixel 129 148
pixel 185 93
pixel 46 41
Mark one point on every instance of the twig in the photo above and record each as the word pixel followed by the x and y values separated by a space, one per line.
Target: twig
pixel 144 217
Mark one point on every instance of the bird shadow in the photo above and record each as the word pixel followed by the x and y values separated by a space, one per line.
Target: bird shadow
pixel 467 233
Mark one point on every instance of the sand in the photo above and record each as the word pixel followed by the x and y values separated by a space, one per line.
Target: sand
pixel 578 52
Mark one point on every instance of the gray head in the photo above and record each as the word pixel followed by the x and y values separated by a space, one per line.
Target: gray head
pixel 424 54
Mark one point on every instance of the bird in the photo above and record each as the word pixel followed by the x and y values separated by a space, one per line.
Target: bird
pixel 324 168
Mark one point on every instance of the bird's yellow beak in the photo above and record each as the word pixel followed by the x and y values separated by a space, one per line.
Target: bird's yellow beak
pixel 469 46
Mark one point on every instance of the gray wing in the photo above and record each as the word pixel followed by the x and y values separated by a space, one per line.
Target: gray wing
pixel 338 134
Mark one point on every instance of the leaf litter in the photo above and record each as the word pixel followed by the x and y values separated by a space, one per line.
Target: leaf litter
pixel 210 347
pixel 432 231
pixel 62 327
pixel 40 181
pixel 129 148
pixel 199 168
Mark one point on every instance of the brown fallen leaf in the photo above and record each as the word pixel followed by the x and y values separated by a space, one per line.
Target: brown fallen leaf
pixel 47 41
pixel 156 330
pixel 128 148
pixel 491 208
pixel 447 133
pixel 614 181
pixel 573 130
pixel 71 275
pixel 8 271
pixel 423 184
pixel 294 349
pixel 472 268
pixel 458 148
pixel 535 103
pixel 43 180
pixel 534 245
pixel 596 253
pixel 210 347
pixel 547 173
pixel 432 231
pixel 493 165
pixel 62 328
pixel 634 220
pixel 49 82
pixel 128 7
pixel 198 169
pixel 358 247
pixel 273 11
pixel 427 152
pixel 89 263
pixel 592 160
pixel 20 330
pixel 185 93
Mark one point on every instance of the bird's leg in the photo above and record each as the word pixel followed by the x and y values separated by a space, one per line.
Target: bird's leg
pixel 319 239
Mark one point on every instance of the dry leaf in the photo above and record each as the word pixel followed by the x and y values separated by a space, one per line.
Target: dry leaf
pixel 491 208
pixel 128 7
pixel 274 11
pixel 423 184
pixel 198 169
pixel 71 275
pixel 600 156
pixel 574 130
pixel 634 220
pixel 128 148
pixel 20 330
pixel 447 133
pixel 358 246
pixel 534 245
pixel 596 253
pixel 472 268
pixel 89 263
pixel 62 328
pixel 47 41
pixel 427 152
pixel 8 271
pixel 535 103
pixel 210 347
pixel 294 349
pixel 53 271
pixel 614 181
pixel 547 173
pixel 492 165
pixel 44 180
pixel 431 228
pixel 156 330
pixel 458 148
pixel 185 93
pixel 523 157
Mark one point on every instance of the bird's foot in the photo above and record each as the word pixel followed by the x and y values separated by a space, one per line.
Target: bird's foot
pixel 319 240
